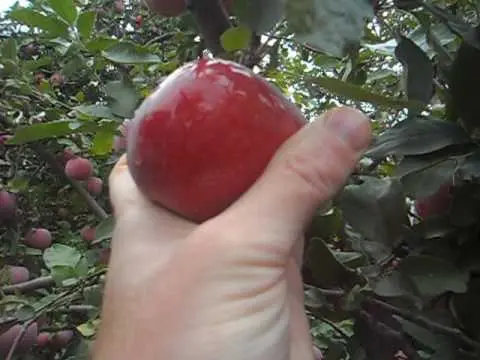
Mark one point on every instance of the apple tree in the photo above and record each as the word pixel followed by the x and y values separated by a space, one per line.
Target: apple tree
pixel 390 269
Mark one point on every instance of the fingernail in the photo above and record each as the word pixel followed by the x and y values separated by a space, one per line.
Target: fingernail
pixel 351 126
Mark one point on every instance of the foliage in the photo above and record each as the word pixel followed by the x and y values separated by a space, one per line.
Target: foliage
pixel 382 280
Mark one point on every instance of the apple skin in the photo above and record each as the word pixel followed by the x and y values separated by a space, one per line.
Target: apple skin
pixel 436 204
pixel 205 135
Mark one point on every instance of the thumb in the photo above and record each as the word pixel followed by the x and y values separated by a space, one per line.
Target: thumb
pixel 307 171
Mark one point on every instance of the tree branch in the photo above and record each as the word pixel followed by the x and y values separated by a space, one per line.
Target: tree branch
pixel 38 283
pixel 418 319
pixel 212 20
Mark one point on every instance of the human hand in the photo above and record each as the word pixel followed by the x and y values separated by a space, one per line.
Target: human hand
pixel 229 288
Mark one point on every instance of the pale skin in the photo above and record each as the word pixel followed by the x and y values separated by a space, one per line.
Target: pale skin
pixel 229 288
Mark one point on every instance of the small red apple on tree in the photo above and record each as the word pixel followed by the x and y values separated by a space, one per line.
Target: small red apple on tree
pixel 43 339
pixel 8 206
pixel 26 343
pixel 139 21
pixel 18 274
pixel 95 185
pixel 88 233
pixel 57 79
pixel 119 6
pixel 206 134
pixel 436 204
pixel 61 339
pixel 79 169
pixel 38 239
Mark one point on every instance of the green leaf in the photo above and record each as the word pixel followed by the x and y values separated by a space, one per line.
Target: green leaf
pixel 86 23
pixel 123 98
pixel 61 255
pixel 419 69
pixel 89 328
pixel 104 230
pixel 60 273
pixel 359 93
pixel 260 16
pixel 49 130
pixel 35 19
pixel 100 44
pixel 330 26
pixel 236 38
pixel 375 208
pixel 97 111
pixel 9 49
pixel 418 136
pixel 130 53
pixel 25 313
pixel 102 142
pixel 65 9
pixel 433 276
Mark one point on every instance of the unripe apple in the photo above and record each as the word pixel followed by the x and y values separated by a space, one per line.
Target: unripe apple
pixel 8 206
pixel 38 239
pixel 79 169
pixel 94 185
pixel 28 340
pixel 43 339
pixel 88 233
pixel 435 204
pixel 205 135
pixel 18 274
pixel 61 339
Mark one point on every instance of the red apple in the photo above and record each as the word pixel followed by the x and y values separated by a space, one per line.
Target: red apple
pixel 39 77
pixel 119 6
pixel 79 169
pixel 61 339
pixel 94 185
pixel 139 21
pixel 57 79
pixel 435 204
pixel 26 343
pixel 88 233
pixel 205 135
pixel 18 274
pixel 43 339
pixel 38 239
pixel 8 206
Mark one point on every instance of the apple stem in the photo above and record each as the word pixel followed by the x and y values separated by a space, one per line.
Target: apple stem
pixel 212 21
